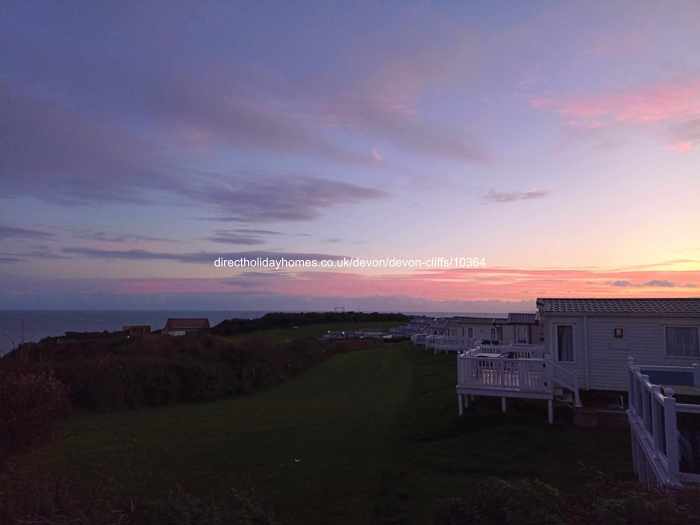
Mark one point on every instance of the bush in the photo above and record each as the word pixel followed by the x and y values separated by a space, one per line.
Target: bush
pixel 31 404
pixel 181 508
pixel 288 320
pixel 112 372
pixel 619 503
pixel 495 502
pixel 498 502
pixel 120 382
pixel 55 501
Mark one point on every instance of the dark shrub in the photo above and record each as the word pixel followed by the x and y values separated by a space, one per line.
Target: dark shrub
pixel 40 499
pixel 113 372
pixel 31 404
pixel 181 508
pixel 604 502
pixel 288 320
pixel 628 503
pixel 499 502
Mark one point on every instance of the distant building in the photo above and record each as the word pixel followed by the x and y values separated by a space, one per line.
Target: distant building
pixel 85 336
pixel 517 328
pixel 177 327
pixel 524 328
pixel 136 329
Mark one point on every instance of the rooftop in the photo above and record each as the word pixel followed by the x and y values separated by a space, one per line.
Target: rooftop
pixel 477 320
pixel 187 324
pixel 520 318
pixel 660 306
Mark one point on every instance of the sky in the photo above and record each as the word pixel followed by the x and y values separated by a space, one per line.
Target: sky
pixel 558 143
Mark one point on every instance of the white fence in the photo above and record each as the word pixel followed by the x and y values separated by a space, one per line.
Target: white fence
pixel 446 343
pixel 418 339
pixel 512 371
pixel 514 351
pixel 661 455
pixel 523 375
pixel 560 376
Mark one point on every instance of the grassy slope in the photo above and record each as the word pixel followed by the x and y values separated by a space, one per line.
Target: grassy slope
pixel 368 436
pixel 285 335
pixel 437 454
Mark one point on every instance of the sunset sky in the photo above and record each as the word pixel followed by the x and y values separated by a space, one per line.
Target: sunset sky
pixel 560 141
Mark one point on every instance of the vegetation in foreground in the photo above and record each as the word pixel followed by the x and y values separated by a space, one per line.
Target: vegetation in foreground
pixel 111 371
pixel 601 502
pixel 284 320
pixel 367 437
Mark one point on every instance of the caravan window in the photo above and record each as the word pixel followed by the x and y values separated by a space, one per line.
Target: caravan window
pixel 497 333
pixel 682 341
pixel 565 343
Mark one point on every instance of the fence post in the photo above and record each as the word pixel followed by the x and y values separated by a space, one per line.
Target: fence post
pixel 630 380
pixel 655 408
pixel 646 407
pixel 523 382
pixel 671 429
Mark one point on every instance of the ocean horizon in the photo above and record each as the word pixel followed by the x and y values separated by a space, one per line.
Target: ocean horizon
pixel 17 326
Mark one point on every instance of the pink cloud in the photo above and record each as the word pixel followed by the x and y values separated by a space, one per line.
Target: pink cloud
pixel 510 284
pixel 682 146
pixel 649 104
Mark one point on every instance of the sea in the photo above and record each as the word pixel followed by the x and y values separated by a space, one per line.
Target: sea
pixel 17 326
pixel 33 325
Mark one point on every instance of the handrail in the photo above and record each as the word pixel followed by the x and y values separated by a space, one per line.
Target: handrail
pixel 513 351
pixel 687 408
pixel 549 371
pixel 652 411
pixel 567 379
pixel 523 375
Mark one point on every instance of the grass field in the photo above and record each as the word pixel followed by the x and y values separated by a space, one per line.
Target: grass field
pixel 285 335
pixel 367 437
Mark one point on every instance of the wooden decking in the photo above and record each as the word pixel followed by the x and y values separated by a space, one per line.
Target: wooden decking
pixel 511 373
pixel 498 373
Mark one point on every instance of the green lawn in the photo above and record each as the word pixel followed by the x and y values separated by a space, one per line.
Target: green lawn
pixel 285 335
pixel 367 437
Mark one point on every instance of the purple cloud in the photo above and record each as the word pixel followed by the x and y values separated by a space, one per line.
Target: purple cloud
pixel 55 154
pixel 12 232
pixel 654 283
pixel 232 237
pixel 58 155
pixel 190 257
pixel 101 236
pixel 404 129
pixel 621 283
pixel 245 198
pixel 512 196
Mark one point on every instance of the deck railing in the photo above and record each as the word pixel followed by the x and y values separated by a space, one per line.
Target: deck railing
pixel 523 375
pixel 514 351
pixel 566 378
pixel 418 339
pixel 662 456
pixel 447 343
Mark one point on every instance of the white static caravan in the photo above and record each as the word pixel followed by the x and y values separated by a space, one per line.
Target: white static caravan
pixel 595 337
pixel 517 328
